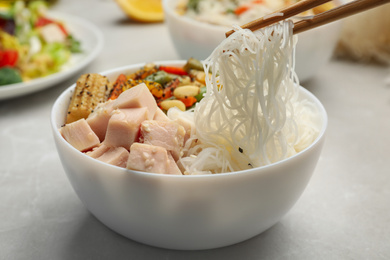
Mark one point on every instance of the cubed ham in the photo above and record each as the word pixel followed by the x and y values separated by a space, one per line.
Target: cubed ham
pixel 117 156
pixel 172 166
pixel 167 134
pixel 123 126
pixel 148 158
pixel 98 119
pixel 160 115
pixel 80 135
pixel 136 97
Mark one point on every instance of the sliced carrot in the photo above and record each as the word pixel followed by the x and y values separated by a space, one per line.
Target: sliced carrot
pixel 189 101
pixel 117 87
pixel 241 9
pixel 258 1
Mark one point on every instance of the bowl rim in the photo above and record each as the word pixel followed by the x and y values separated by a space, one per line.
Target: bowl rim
pixel 67 94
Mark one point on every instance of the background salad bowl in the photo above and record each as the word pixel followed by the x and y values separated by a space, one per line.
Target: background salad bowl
pixel 92 41
pixel 193 38
pixel 186 212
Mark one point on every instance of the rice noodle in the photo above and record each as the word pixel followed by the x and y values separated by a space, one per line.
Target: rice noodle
pixel 250 115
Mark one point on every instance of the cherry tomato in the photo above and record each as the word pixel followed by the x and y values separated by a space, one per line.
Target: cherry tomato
pixel 8 58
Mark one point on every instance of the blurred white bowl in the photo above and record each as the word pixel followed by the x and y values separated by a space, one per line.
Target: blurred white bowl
pixel 193 38
pixel 186 212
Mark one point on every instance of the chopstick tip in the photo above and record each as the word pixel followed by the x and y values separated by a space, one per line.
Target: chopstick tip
pixel 227 34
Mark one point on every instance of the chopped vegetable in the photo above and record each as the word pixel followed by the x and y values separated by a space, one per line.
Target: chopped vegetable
pixel 241 9
pixel 193 64
pixel 33 43
pixel 193 4
pixel 201 94
pixel 173 70
pixel 58 53
pixel 188 101
pixel 229 11
pixel 8 58
pixel 9 75
pixel 170 87
pixel 73 44
pixel 147 70
pixel 117 88
pixel 154 87
pixel 166 83
pixel 160 76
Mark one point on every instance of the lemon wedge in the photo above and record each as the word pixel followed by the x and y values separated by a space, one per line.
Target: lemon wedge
pixel 143 10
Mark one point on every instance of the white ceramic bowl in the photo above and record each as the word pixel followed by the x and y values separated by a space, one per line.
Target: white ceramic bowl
pixel 186 212
pixel 196 39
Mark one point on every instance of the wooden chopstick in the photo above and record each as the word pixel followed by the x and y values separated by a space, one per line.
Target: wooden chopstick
pixel 337 13
pixel 329 16
pixel 287 12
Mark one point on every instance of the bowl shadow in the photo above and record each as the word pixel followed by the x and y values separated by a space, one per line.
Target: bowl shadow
pixel 93 240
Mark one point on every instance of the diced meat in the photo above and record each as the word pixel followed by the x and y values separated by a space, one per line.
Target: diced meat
pixel 167 134
pixel 188 126
pixel 98 119
pixel 173 167
pixel 52 33
pixel 117 156
pixel 160 115
pixel 98 151
pixel 184 119
pixel 136 97
pixel 123 126
pixel 80 135
pixel 148 158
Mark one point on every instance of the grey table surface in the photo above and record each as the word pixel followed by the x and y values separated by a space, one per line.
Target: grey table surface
pixel 343 214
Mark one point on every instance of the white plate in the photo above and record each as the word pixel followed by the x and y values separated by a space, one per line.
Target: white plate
pixel 91 39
